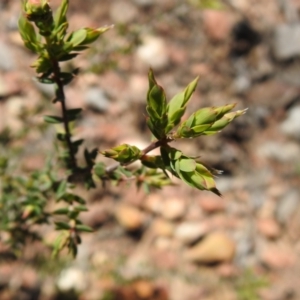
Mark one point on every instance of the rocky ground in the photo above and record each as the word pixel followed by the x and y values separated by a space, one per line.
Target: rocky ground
pixel 179 243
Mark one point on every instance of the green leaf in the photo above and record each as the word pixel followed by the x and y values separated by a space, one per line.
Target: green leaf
pixel 61 211
pixel 80 208
pixel 67 56
pixel 152 162
pixel 174 154
pixel 175 104
pixel 187 165
pixel 53 119
pixel 222 110
pixel 205 115
pixel 73 113
pixel 66 77
pixel 42 64
pixel 190 90
pixel 62 226
pixel 59 32
pixel 61 12
pixel 77 37
pixel 61 190
pixel 45 80
pixel 199 129
pixel 99 169
pixel 93 34
pixel 28 33
pixel 84 228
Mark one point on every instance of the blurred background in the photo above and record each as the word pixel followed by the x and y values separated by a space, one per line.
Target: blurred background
pixel 177 243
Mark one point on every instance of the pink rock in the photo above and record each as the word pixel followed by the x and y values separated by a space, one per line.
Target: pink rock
pixel 276 257
pixel 211 204
pixel 217 24
pixel 268 227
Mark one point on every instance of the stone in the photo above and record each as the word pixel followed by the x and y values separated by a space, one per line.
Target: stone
pixel 173 208
pixel 13 109
pixel 217 24
pixel 154 203
pixel 188 232
pixel 161 227
pixel 123 12
pixel 46 89
pixel 282 152
pixel 277 257
pixel 7 62
pixel 97 214
pixel 96 99
pixel 153 52
pixel 130 218
pixel 144 2
pixel 269 228
pixel 138 85
pixel 291 125
pixel 217 247
pixel 286 42
pixel 212 204
pixel 287 206
pixel 72 279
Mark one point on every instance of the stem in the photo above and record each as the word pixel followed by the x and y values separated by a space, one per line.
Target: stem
pixel 149 148
pixel 60 95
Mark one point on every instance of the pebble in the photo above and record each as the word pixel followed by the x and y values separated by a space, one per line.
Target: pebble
pixel 97 214
pixel 173 208
pixel 123 12
pixel 130 218
pixel 268 227
pixel 188 232
pixel 287 206
pixel 215 247
pixel 286 41
pixel 161 227
pixel 212 204
pixel 72 279
pixel 96 99
pixel 282 152
pixel 217 24
pixel 153 53
pixel 291 125
pixel 276 257
pixel 144 2
pixel 6 58
pixel 154 203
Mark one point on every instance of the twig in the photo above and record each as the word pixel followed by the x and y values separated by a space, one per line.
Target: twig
pixel 149 148
pixel 60 95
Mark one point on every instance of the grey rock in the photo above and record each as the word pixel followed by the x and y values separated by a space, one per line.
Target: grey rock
pixel 241 84
pixel 282 152
pixel 96 99
pixel 286 41
pixel 46 89
pixel 291 125
pixel 72 279
pixel 287 206
pixel 123 12
pixel 188 232
pixel 144 2
pixel 153 52
pixel 6 57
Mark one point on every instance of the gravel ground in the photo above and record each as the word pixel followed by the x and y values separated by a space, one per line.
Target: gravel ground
pixel 178 243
